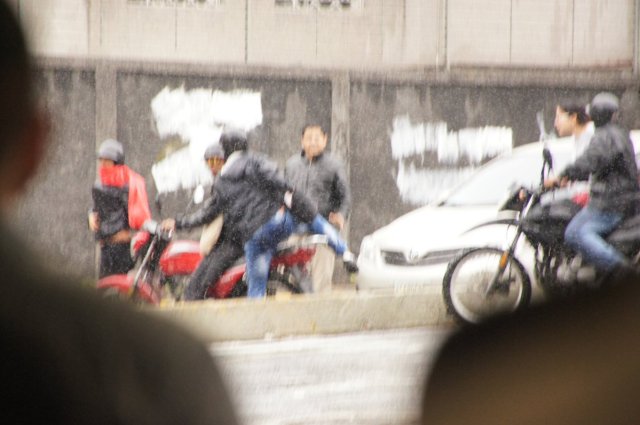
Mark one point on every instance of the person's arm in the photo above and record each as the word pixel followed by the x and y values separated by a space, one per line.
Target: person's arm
pixel 94 221
pixel 598 155
pixel 209 211
pixel 341 195
pixel 265 174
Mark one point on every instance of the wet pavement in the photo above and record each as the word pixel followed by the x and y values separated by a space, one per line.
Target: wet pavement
pixel 361 378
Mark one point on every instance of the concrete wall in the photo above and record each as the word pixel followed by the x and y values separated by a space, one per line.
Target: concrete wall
pixel 53 214
pixel 287 105
pixel 545 33
pixel 370 34
pixel 89 101
pixel 391 33
pixel 58 28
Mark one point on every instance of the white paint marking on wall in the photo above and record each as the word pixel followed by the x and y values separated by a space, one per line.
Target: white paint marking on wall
pixel 472 146
pixel 198 117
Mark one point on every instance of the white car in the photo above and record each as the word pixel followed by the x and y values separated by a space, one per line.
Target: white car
pixel 414 250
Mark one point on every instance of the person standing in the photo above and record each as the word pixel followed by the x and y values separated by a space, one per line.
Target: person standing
pixel 120 205
pixel 66 355
pixel 322 177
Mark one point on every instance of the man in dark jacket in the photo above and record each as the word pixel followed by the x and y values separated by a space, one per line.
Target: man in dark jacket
pixel 610 161
pixel 250 194
pixel 226 251
pixel 320 176
pixel 67 356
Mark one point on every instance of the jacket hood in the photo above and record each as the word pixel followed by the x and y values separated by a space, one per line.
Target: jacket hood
pixel 235 165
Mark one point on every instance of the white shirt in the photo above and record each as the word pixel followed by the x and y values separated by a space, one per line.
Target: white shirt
pixel 582 141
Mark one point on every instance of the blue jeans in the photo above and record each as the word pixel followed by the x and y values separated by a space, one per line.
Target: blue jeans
pixel 260 248
pixel 585 235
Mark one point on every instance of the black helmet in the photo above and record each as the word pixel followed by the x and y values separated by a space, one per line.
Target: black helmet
pixel 602 108
pixel 213 151
pixel 111 149
pixel 233 140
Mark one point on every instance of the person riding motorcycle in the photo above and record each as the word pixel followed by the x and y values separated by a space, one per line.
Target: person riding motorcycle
pixel 249 192
pixel 225 251
pixel 610 162
pixel 255 183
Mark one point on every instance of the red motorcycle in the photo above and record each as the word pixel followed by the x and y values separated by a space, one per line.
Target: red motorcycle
pixel 166 266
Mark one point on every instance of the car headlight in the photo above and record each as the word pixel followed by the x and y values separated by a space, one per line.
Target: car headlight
pixel 368 251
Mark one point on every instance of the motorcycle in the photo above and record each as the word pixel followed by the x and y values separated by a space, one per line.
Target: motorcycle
pixel 165 267
pixel 485 280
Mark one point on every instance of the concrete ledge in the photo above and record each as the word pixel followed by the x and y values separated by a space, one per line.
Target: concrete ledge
pixel 337 312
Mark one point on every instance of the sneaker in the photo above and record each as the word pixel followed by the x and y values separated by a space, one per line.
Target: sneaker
pixel 349 262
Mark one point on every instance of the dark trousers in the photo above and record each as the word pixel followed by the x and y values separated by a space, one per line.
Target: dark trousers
pixel 115 259
pixel 221 257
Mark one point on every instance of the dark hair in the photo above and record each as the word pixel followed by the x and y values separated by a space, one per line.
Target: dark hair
pixel 15 78
pixel 232 141
pixel 572 107
pixel 308 126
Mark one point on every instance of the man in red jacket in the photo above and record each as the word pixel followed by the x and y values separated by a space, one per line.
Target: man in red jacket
pixel 67 356
pixel 120 205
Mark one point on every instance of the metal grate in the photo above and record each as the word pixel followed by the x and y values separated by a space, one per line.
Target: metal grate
pixel 397 258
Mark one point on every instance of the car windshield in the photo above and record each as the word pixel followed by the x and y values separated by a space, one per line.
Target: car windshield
pixel 490 184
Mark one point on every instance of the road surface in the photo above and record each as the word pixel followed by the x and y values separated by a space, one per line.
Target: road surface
pixel 364 378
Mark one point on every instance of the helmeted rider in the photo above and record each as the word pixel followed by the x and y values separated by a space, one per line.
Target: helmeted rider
pixel 614 194
pixel 120 205
pixel 250 193
pixel 264 220
pixel 226 250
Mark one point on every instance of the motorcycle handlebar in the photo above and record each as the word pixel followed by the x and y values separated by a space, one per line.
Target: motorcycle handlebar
pixel 154 228
pixel 150 226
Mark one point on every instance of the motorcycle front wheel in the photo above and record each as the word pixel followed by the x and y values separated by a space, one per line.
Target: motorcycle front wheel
pixel 468 277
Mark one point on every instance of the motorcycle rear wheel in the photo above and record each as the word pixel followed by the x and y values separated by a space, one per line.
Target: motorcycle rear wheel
pixel 468 277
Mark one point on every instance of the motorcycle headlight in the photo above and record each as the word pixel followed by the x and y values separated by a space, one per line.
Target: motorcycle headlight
pixel 368 251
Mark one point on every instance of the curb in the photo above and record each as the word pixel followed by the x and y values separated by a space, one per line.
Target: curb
pixel 317 314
